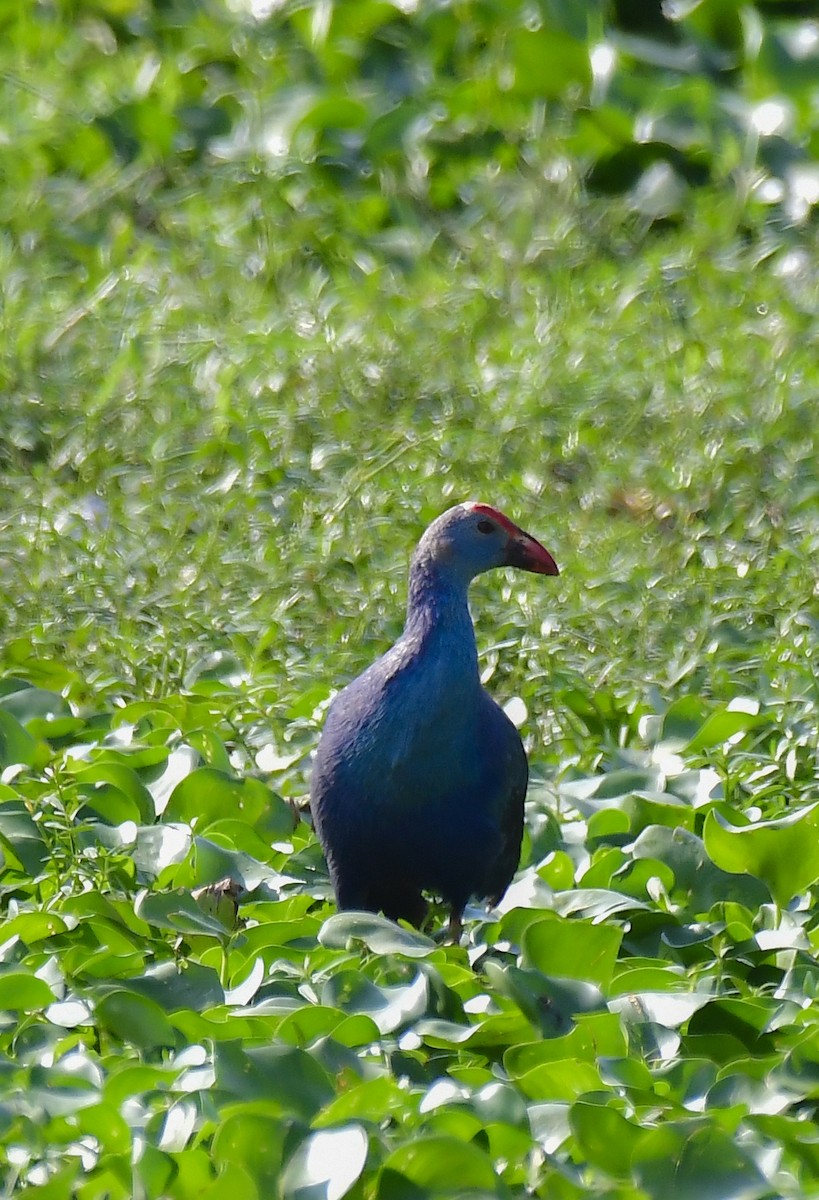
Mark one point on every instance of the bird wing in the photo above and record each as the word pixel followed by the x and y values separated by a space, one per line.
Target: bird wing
pixel 508 799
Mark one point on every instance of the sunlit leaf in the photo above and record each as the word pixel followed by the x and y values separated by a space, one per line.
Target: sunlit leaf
pixel 784 852
pixel 326 1164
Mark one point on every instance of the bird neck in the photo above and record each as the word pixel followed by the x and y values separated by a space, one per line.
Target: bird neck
pixel 438 612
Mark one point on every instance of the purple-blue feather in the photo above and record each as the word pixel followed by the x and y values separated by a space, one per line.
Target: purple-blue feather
pixel 419 778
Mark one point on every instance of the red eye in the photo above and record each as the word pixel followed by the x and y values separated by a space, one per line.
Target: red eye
pixel 485 527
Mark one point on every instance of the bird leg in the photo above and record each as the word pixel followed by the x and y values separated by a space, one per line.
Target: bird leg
pixel 455 928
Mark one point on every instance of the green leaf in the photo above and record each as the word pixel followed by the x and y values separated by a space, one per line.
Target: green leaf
pixel 178 911
pixel 286 1076
pixel 22 992
pixel 698 881
pixel 253 1140
pixel 604 1137
pixel 379 934
pixel 390 1007
pixel 22 838
pixel 783 852
pixel 572 949
pixel 176 986
pixel 440 1164
pixel 695 1161
pixel 16 744
pixel 135 1019
pixel 721 727
pixel 116 792
pixel 207 795
pixel 326 1164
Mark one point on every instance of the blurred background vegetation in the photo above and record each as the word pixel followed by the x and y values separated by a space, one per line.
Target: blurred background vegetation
pixel 279 281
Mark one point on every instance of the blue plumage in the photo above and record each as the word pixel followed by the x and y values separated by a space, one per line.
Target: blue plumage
pixel 419 778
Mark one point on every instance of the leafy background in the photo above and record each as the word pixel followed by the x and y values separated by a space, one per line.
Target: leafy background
pixel 279 282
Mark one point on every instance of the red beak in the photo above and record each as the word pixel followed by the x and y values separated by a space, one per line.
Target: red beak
pixel 527 553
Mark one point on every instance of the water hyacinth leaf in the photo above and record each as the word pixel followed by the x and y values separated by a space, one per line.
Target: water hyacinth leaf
pixel 388 1006
pixel 176 986
pixel 669 1009
pixel 490 1034
pixel 682 719
pixel 326 1164
pixel 22 992
pixel 547 61
pixel 367 1100
pixel 574 949
pixel 722 726
pixel 221 900
pixel 610 791
pixel 179 912
pixel 21 838
pixel 122 781
pixel 563 1080
pixel 381 935
pixel 206 795
pixel 551 1004
pixel 134 1019
pixel 439 1164
pixel 160 846
pixel 253 1140
pixel 783 852
pixel 595 903
pixel 287 1077
pixel 700 881
pixel 499 1103
pixel 16 743
pixel 550 1125
pixel 593 1036
pixel 696 1161
pixel 604 1136
pixel 26 703
pixel 32 927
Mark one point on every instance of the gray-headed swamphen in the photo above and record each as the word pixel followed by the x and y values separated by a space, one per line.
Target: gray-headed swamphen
pixel 419 777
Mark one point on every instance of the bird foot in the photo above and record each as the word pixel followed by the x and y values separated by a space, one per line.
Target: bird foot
pixel 454 929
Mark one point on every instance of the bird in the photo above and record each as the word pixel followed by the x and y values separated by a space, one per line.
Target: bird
pixel 419 777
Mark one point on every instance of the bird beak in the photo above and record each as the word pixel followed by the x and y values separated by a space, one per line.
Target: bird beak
pixel 527 553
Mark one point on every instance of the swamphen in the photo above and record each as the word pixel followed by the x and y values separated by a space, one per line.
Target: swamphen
pixel 419 777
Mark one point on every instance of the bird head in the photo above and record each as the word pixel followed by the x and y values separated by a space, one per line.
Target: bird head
pixel 471 538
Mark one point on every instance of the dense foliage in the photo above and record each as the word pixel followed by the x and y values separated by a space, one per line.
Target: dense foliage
pixel 278 285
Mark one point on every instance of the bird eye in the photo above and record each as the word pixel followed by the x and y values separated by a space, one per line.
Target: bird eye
pixel 485 527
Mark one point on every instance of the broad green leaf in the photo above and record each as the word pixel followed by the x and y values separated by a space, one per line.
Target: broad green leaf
pixel 254 1141
pixel 440 1164
pixel 699 882
pixel 180 985
pixel 721 727
pixel 16 744
pixel 390 1007
pixel 27 703
pixel 784 853
pixel 368 1100
pixel 22 838
pixel 20 991
pixel 551 1004
pixel 135 1019
pixel 116 792
pixel 289 1078
pixel 696 1161
pixel 604 1136
pixel 207 795
pixel 381 935
pixel 32 927
pixel 572 949
pixel 326 1164
pixel 179 912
